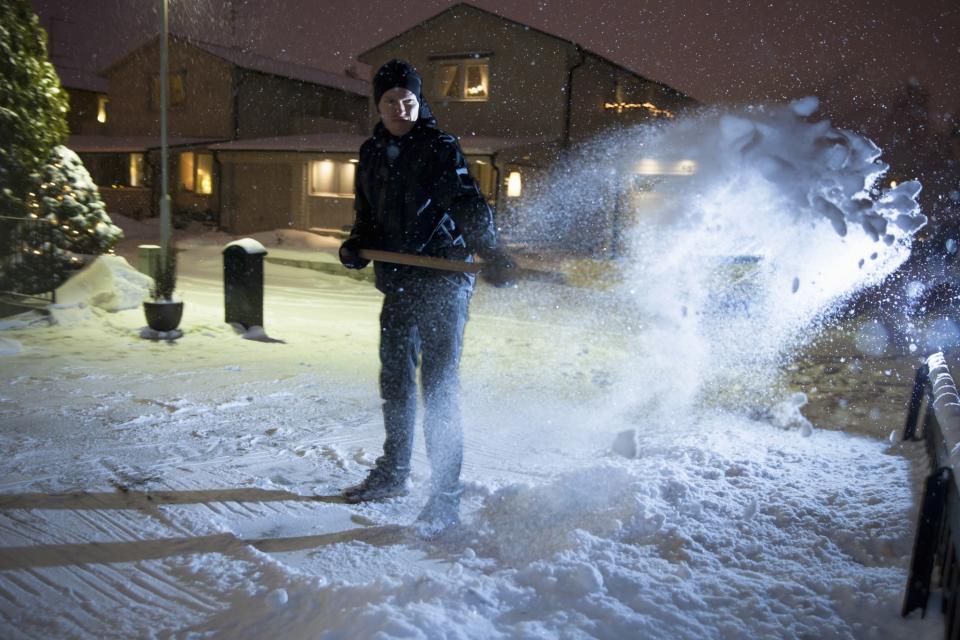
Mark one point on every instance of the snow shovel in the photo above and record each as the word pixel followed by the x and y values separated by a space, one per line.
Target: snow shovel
pixel 420 261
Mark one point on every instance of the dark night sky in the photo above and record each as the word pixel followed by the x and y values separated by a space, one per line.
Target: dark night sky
pixel 854 54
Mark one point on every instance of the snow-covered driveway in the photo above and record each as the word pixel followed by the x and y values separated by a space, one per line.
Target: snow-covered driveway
pixel 187 489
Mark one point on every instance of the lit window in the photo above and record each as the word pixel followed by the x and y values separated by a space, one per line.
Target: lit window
pixel 464 80
pixel 136 169
pixel 102 109
pixel 186 171
pixel 204 177
pixel 332 179
pixel 177 93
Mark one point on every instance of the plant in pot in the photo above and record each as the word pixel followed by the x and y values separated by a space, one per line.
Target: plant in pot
pixel 163 314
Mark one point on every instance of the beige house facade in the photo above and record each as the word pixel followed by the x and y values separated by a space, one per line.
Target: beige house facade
pixel 217 94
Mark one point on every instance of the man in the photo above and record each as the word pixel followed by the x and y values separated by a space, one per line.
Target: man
pixel 415 196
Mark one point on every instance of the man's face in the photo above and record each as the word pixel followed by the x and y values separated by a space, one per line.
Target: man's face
pixel 399 110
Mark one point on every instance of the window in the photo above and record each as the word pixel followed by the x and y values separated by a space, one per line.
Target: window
pixel 464 80
pixel 196 172
pixel 136 170
pixel 332 178
pixel 176 90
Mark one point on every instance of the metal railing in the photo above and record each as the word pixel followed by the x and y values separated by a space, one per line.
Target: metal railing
pixel 935 405
pixel 28 269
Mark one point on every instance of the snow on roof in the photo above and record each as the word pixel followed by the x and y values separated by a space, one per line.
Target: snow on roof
pixel 255 62
pixel 128 144
pixel 317 142
pixel 488 145
pixel 263 64
pixel 82 79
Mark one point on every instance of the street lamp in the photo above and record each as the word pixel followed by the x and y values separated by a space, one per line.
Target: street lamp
pixel 164 170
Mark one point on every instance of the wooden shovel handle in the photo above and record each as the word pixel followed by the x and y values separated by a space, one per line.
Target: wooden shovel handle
pixel 420 261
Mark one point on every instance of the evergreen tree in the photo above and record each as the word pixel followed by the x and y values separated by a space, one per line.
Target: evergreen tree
pixel 33 106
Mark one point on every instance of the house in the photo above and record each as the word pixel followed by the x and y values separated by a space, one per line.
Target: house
pixel 536 94
pixel 216 94
pixel 259 144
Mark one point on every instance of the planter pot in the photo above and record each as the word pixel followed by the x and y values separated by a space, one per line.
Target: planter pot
pixel 163 316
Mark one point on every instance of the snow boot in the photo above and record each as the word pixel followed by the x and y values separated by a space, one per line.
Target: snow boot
pixel 376 486
pixel 441 512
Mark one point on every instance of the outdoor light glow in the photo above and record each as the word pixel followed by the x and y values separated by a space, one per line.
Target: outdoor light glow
pixel 893 184
pixel 514 184
pixel 102 109
pixel 204 180
pixel 654 167
pixel 136 169
pixel 620 107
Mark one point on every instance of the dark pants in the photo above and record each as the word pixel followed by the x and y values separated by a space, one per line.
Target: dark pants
pixel 426 328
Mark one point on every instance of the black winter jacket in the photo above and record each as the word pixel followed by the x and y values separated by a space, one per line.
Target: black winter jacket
pixel 414 195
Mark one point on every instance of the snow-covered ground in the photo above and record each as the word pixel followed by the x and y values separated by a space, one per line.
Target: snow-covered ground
pixel 187 489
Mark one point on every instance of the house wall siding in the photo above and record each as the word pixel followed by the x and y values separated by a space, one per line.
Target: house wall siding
pixel 595 84
pixel 207 111
pixel 274 106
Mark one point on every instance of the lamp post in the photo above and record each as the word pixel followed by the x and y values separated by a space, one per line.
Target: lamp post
pixel 164 167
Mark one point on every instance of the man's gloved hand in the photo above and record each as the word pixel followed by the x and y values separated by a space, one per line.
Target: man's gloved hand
pixel 350 255
pixel 499 269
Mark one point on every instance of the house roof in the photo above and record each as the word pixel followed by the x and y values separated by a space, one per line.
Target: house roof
pixel 82 79
pixel 316 143
pixel 285 69
pixel 128 144
pixel 471 7
pixel 262 64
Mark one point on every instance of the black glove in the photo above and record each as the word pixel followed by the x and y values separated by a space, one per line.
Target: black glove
pixel 350 255
pixel 499 269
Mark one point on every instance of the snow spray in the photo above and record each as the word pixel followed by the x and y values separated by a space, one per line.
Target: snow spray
pixel 736 235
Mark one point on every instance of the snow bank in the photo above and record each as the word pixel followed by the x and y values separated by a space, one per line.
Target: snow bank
pixel 109 283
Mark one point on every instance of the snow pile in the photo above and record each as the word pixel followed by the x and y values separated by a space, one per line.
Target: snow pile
pixel 109 283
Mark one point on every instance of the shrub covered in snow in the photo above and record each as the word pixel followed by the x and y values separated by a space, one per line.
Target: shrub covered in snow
pixel 65 196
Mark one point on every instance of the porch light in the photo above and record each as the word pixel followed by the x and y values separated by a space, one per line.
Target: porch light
pixel 514 185
pixel 102 109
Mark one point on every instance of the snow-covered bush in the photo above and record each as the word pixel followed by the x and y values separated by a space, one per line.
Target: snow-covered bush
pixel 65 197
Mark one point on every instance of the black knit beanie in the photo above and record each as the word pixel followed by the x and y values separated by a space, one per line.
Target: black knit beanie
pixel 396 73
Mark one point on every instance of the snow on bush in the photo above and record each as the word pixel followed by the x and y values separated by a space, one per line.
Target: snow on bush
pixel 64 196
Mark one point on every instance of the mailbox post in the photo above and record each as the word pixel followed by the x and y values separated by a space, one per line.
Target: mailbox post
pixel 243 282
